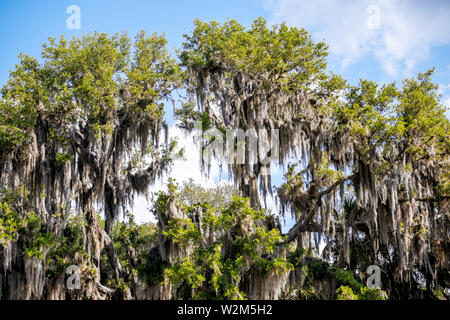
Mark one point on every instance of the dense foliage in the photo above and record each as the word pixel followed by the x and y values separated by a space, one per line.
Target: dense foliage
pixel 367 179
pixel 368 165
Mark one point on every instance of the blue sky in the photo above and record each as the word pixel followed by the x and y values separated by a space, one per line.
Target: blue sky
pixel 26 24
pixel 413 27
pixel 379 40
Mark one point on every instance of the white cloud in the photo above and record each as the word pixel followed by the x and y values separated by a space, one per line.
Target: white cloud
pixel 447 102
pixel 443 88
pixel 182 170
pixel 444 91
pixel 406 32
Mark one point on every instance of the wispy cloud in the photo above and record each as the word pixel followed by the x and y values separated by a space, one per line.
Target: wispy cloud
pixel 404 36
pixel 189 168
pixel 182 170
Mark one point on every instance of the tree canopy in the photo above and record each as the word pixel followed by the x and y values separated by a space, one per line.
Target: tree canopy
pixel 367 171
